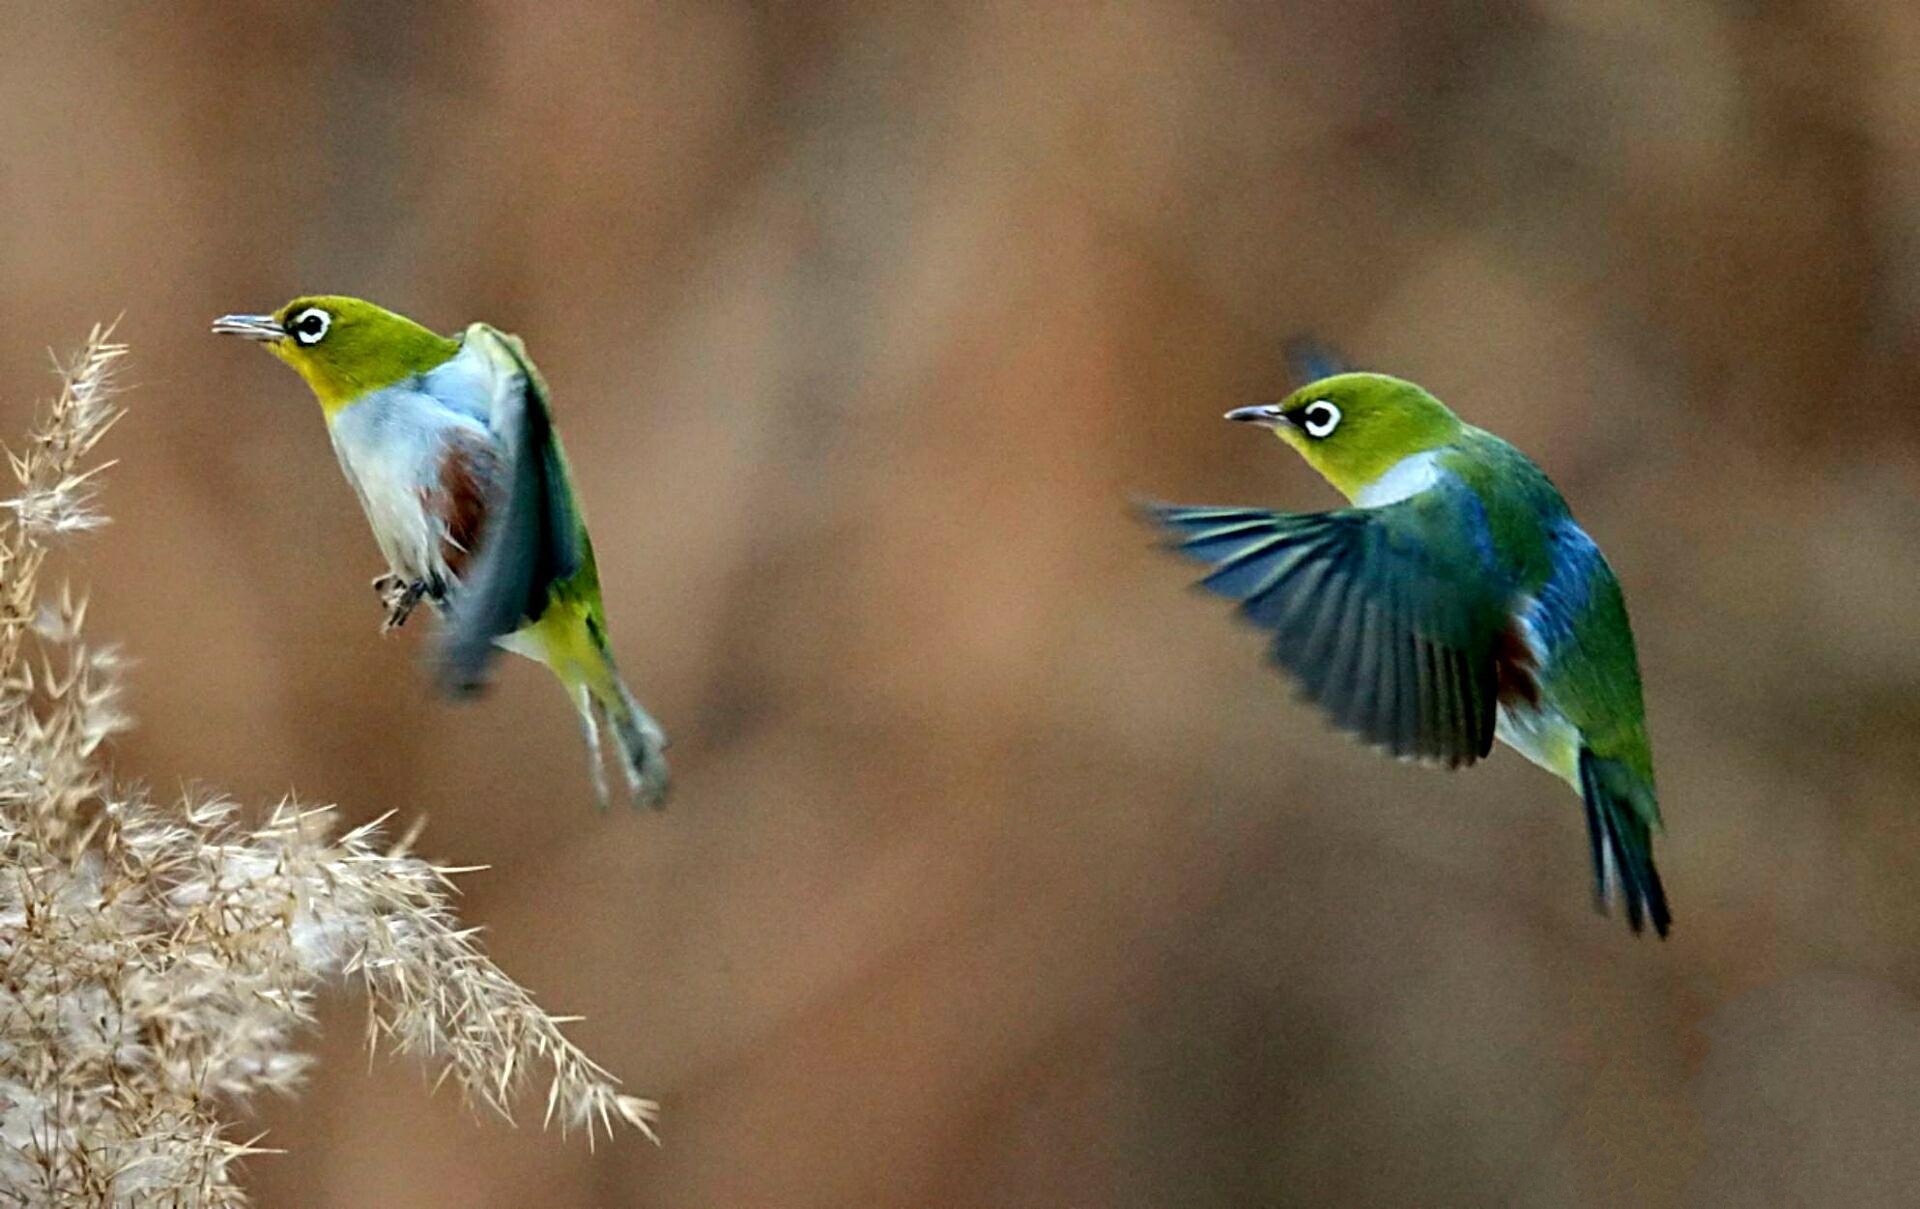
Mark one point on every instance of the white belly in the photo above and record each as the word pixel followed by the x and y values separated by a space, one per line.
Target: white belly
pixel 390 446
pixel 1542 734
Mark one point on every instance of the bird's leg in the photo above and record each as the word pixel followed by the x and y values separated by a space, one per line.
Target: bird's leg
pixel 392 589
pixel 400 597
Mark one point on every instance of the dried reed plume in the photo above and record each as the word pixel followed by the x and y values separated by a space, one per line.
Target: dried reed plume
pixel 156 961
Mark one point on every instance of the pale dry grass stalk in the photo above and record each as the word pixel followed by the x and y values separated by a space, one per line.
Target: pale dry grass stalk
pixel 158 960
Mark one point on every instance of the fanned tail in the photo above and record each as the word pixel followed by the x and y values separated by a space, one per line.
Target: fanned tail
pixel 571 640
pixel 643 747
pixel 641 743
pixel 1620 830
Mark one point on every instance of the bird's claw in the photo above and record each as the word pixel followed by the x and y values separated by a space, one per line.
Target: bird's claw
pixel 400 597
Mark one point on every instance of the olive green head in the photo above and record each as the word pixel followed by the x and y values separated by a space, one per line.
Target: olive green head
pixel 343 347
pixel 1353 427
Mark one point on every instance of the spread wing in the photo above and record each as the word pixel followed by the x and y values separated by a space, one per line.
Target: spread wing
pixel 1392 619
pixel 532 540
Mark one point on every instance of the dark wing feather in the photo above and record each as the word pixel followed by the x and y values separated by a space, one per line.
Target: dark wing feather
pixel 1389 618
pixel 1309 360
pixel 532 540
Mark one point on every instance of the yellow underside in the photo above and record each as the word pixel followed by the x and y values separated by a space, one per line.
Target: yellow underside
pixel 561 640
pixel 1544 737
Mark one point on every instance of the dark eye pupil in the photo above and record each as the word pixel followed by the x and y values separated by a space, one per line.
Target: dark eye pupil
pixel 310 325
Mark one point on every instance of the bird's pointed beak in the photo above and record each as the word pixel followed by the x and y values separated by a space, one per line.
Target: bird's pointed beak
pixel 1267 415
pixel 253 327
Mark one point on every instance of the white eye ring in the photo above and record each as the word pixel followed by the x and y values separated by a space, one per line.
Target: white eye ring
pixel 1322 417
pixel 310 335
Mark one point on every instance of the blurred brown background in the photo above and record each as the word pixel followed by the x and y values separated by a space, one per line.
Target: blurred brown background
pixel 1002 871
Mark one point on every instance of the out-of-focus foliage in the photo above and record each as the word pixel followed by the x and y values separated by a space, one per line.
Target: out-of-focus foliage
pixel 1001 870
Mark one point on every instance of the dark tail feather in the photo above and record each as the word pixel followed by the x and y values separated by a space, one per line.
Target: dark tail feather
pixel 1619 834
pixel 604 702
pixel 641 742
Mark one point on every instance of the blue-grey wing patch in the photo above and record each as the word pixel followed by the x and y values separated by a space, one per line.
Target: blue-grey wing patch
pixel 1310 359
pixel 530 540
pixel 1394 638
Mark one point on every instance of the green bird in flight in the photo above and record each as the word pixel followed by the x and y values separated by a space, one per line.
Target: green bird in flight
pixel 448 442
pixel 1456 602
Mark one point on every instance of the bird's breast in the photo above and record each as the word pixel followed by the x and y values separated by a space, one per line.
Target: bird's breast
pixel 391 447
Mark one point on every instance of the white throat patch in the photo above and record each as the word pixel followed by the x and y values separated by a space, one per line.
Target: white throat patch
pixel 1405 478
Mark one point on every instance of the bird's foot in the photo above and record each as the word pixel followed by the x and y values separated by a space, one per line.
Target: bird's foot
pixel 400 597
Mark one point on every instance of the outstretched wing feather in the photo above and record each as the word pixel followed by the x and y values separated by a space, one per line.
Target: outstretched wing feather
pixel 1383 616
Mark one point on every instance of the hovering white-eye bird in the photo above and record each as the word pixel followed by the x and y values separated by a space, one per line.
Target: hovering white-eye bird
pixel 449 443
pixel 1457 602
